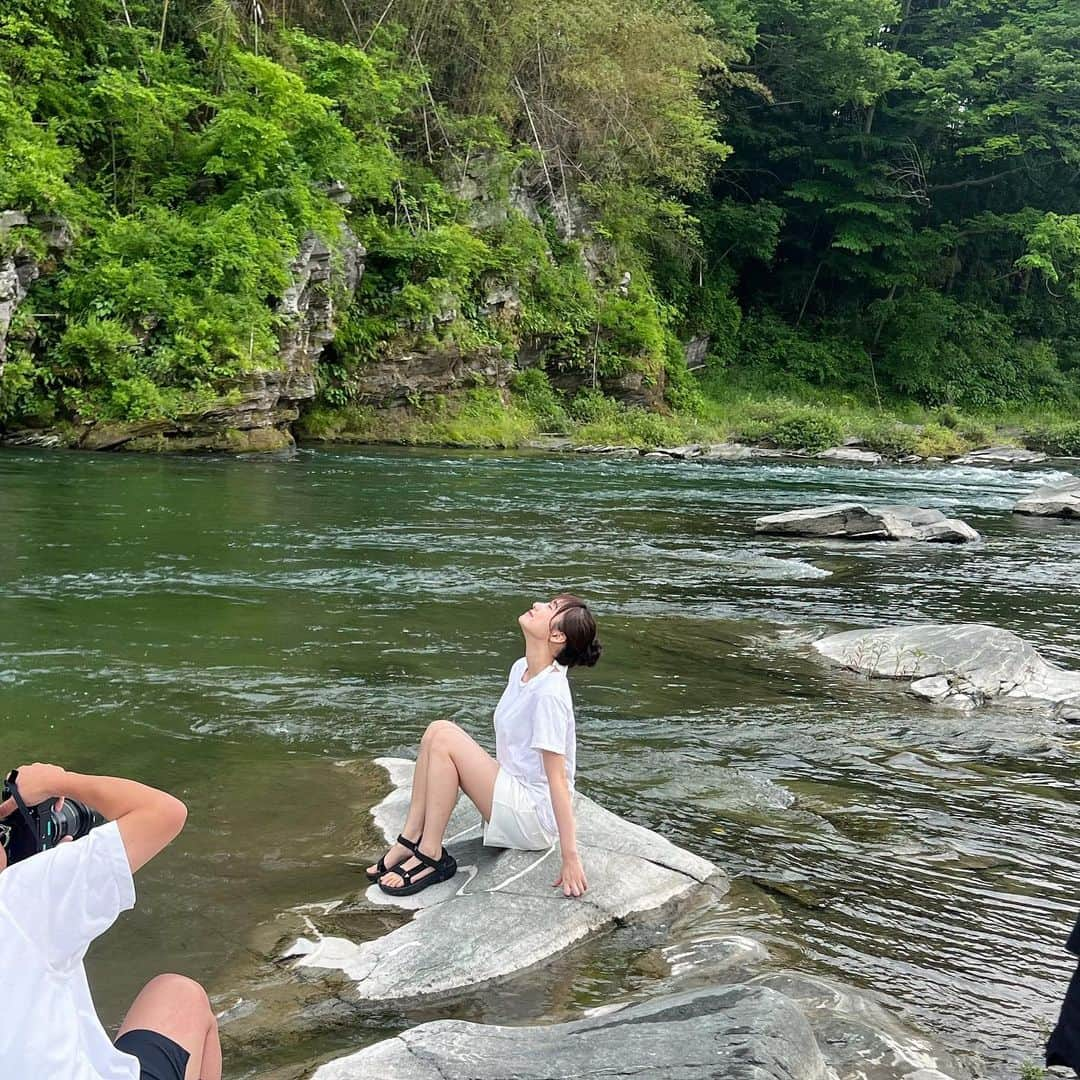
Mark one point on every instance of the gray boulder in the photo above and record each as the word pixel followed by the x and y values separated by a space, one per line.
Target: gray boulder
pixel 779 1025
pixel 500 914
pixel 854 521
pixel 1069 710
pixel 963 664
pixel 850 454
pixel 726 452
pixel 1001 455
pixel 1055 500
pixel 735 1032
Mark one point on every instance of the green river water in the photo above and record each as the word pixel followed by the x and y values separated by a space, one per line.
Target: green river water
pixel 234 630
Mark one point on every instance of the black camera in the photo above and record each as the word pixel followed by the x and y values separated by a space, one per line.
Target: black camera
pixel 31 829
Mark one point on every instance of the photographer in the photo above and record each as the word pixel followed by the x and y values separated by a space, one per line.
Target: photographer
pixel 53 904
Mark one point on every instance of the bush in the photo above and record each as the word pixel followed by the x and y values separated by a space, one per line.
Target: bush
pixel 892 439
pixel 1061 439
pixel 936 440
pixel 793 427
pixel 534 392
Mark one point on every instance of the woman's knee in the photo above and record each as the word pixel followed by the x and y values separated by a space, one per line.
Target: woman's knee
pixel 440 731
pixel 182 994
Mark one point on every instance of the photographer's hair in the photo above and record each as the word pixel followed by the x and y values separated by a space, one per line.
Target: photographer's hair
pixel 577 622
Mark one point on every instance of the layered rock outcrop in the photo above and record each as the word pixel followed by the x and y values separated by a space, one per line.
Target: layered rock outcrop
pixel 22 267
pixel 962 665
pixel 1054 500
pixel 853 521
pixel 256 411
pixel 781 1026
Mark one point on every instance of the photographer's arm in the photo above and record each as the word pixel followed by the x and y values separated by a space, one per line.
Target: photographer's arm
pixel 572 876
pixel 148 819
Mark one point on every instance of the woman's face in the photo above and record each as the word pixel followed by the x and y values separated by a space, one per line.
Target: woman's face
pixel 536 623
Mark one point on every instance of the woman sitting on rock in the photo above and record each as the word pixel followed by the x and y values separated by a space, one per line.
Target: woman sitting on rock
pixel 525 792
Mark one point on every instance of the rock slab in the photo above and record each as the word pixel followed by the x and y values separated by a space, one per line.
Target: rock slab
pixel 736 1032
pixel 962 664
pixel 1055 500
pixel 500 914
pixel 851 454
pixel 1001 455
pixel 853 521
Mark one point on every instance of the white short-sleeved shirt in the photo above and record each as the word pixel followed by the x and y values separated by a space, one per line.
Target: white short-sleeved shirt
pixel 52 906
pixel 530 717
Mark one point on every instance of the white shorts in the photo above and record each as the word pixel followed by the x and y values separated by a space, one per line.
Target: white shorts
pixel 514 821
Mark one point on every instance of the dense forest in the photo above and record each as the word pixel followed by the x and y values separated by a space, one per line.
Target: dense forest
pixel 844 203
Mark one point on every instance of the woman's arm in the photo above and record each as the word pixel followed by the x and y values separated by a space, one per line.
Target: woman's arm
pixel 149 820
pixel 572 875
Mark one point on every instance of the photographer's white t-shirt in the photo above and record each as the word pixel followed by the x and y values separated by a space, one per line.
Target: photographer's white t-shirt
pixel 530 717
pixel 52 905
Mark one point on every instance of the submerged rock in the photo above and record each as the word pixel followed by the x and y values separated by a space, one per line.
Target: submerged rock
pixel 856 522
pixel 500 914
pixel 736 1032
pixel 1055 500
pixel 963 664
pixel 1001 455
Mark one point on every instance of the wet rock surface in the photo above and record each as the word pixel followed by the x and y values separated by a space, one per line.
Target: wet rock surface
pixel 734 1032
pixel 500 914
pixel 781 1025
pixel 963 665
pixel 854 521
pixel 1055 500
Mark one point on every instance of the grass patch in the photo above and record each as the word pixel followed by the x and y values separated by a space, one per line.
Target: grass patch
pixel 484 417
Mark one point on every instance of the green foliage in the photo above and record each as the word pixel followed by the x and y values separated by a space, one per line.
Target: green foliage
pixel 854 199
pixel 795 427
pixel 534 392
pixel 1061 438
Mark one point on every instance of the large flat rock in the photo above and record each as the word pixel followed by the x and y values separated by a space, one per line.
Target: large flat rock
pixel 779 1025
pixel 1001 455
pixel 962 664
pixel 853 521
pixel 1055 500
pixel 735 1032
pixel 500 914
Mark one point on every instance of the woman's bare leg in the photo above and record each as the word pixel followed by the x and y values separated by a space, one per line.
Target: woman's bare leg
pixel 178 1008
pixel 455 762
pixel 414 820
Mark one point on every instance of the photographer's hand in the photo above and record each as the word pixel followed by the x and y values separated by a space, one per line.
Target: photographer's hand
pixel 36 783
pixel 148 819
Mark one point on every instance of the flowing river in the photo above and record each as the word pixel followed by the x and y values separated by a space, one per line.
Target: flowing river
pixel 234 629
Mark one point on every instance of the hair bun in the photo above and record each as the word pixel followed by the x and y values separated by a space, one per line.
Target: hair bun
pixel 591 654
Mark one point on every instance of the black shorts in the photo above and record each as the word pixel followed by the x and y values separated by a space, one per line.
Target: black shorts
pixel 159 1057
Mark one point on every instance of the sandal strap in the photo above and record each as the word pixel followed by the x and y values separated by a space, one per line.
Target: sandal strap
pixel 426 864
pixel 405 842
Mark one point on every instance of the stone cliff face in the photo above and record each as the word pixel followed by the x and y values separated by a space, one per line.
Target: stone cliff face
pixel 256 411
pixel 21 268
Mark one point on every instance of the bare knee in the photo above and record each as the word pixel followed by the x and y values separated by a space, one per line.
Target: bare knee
pixel 440 732
pixel 182 995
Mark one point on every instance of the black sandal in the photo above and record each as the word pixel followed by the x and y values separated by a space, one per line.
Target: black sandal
pixel 381 867
pixel 441 869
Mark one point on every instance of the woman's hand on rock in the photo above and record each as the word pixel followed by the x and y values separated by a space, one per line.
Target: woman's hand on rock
pixel 572 875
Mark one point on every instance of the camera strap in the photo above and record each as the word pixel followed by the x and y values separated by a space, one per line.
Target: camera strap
pixel 12 791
